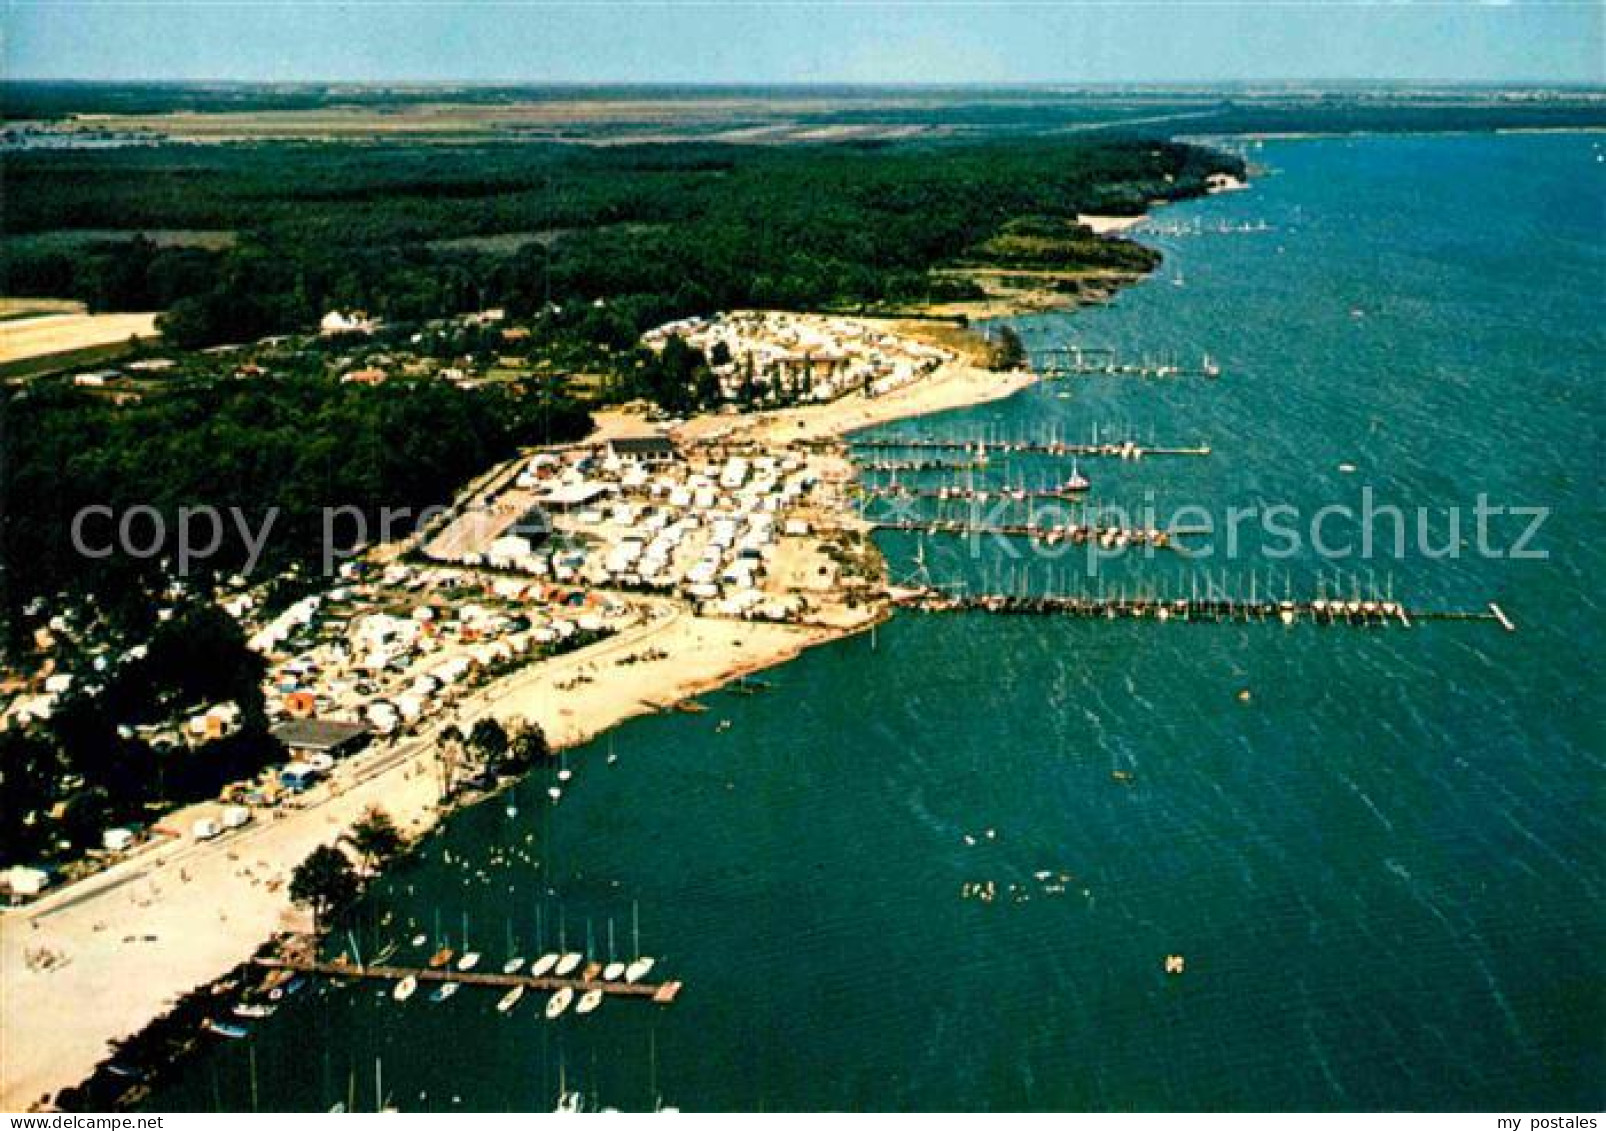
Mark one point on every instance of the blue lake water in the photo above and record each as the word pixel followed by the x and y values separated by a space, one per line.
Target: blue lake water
pixel 1384 869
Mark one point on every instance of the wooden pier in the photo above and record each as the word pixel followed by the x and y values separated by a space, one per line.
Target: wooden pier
pixel 1095 361
pixel 1069 534
pixel 975 494
pixel 980 449
pixel 663 993
pixel 1354 612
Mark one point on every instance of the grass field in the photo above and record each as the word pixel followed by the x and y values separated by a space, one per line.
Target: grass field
pixel 46 334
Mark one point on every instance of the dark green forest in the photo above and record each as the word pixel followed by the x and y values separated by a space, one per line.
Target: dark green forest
pixel 617 238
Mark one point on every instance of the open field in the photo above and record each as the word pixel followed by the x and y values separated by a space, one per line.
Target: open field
pixel 46 113
pixel 45 334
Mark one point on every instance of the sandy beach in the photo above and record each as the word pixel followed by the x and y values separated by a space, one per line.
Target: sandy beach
pixel 134 938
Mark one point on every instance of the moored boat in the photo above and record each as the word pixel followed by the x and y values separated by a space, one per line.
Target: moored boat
pixel 542 966
pixel 405 988
pixel 558 1002
pixel 510 999
pixel 589 1001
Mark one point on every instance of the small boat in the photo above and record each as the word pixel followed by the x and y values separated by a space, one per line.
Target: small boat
pixel 471 958
pixel 569 1103
pixel 405 988
pixel 555 794
pixel 443 991
pixel 589 1001
pixel 224 1029
pixel 641 967
pixel 558 1002
pixel 420 940
pixel 254 1010
pixel 566 964
pixel 615 969
pixel 512 965
pixel 510 999
pixel 1077 481
pixel 440 958
pixel 542 966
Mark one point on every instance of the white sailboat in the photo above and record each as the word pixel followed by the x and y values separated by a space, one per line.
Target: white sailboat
pixel 615 969
pixel 569 958
pixel 589 1001
pixel 512 965
pixel 641 966
pixel 569 1103
pixel 510 999
pixel 542 966
pixel 471 958
pixel 405 988
pixel 558 1002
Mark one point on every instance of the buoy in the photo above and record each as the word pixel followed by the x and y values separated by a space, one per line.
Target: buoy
pixel 1244 696
pixel 1174 964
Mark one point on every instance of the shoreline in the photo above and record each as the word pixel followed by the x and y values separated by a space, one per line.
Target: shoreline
pixel 109 929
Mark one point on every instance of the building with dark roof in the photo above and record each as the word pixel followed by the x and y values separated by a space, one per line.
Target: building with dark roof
pixel 333 737
pixel 643 449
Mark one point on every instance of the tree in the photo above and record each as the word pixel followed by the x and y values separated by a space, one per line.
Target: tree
pixel 488 740
pixel 1008 351
pixel 325 884
pixel 375 838
pixel 527 745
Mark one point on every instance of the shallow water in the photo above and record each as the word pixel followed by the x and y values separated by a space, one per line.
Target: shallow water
pixel 1383 869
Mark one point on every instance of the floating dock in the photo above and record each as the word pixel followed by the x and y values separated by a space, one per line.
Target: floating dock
pixel 1073 534
pixel 663 993
pixel 981 449
pixel 1213 610
pixel 1098 361
pixel 976 494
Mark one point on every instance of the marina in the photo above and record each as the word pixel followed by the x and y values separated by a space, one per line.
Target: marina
pixel 1370 612
pixel 981 449
pixel 1047 534
pixel 1104 361
pixel 1160 818
pixel 660 993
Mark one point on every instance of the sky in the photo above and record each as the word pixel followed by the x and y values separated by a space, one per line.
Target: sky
pixel 806 41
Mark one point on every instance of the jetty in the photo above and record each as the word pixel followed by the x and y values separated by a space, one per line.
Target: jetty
pixel 1075 534
pixel 975 494
pixel 979 450
pixel 1354 612
pixel 1102 361
pixel 661 993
